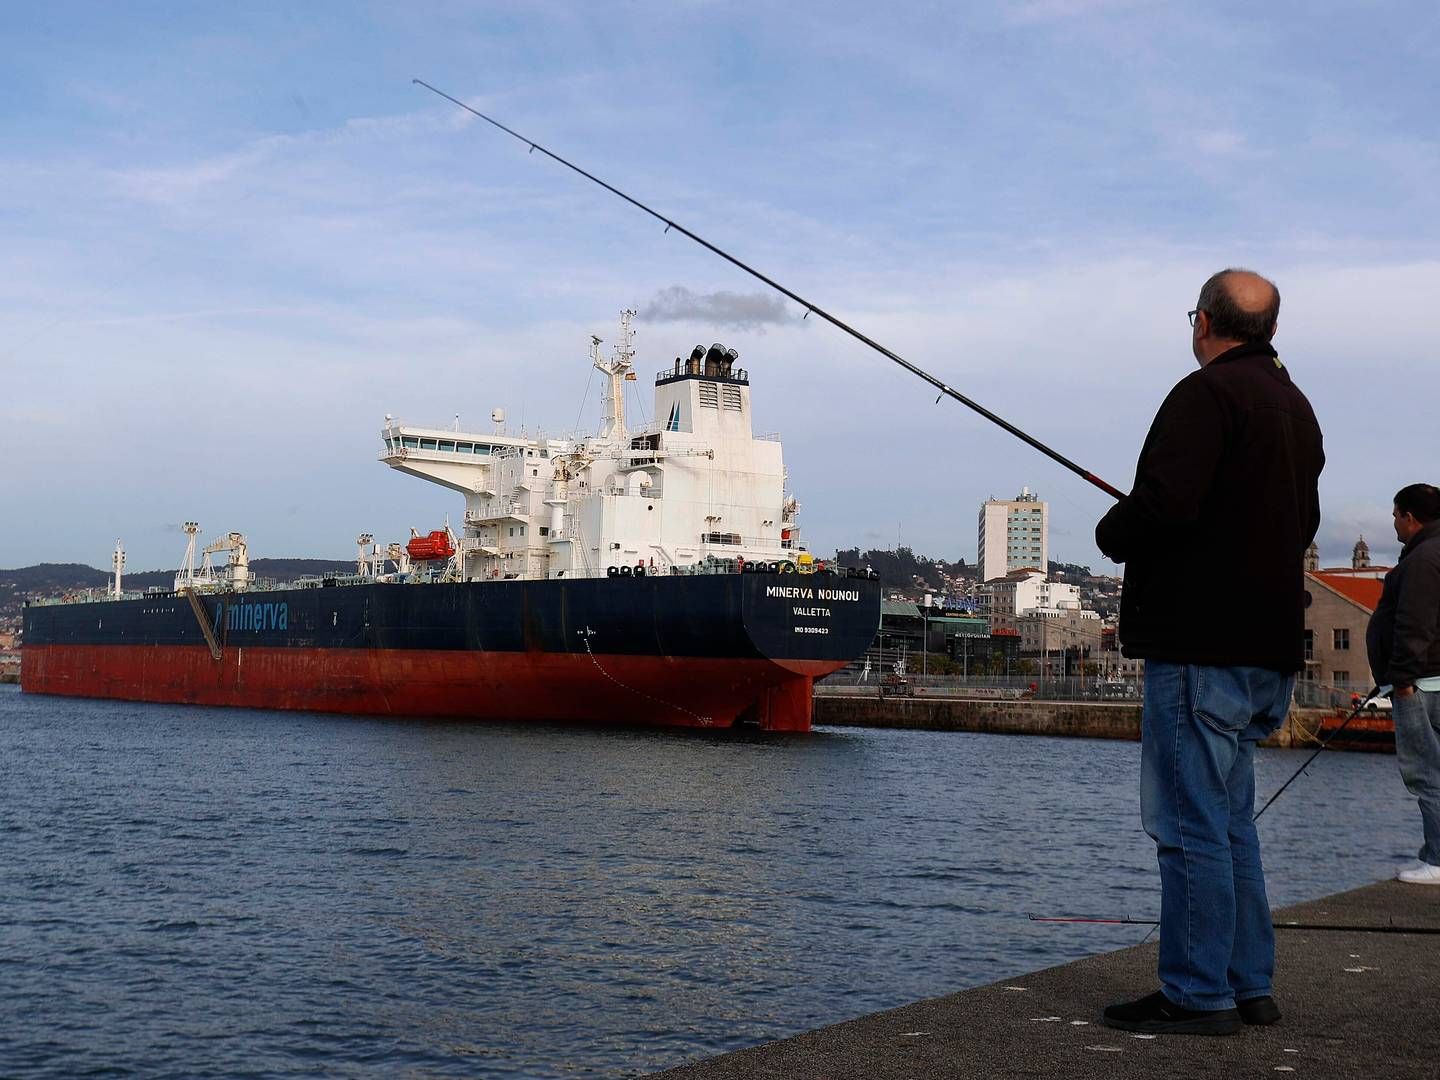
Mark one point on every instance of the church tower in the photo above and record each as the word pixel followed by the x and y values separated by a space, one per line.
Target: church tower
pixel 1360 558
pixel 1312 557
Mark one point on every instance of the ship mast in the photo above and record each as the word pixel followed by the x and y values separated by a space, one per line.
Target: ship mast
pixel 117 563
pixel 618 369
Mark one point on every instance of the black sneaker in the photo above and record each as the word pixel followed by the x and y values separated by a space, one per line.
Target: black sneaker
pixel 1157 1015
pixel 1261 1010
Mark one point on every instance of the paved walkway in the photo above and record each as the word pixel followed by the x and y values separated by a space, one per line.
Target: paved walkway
pixel 1355 1004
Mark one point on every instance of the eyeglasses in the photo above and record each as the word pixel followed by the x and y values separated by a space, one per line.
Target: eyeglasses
pixel 1191 316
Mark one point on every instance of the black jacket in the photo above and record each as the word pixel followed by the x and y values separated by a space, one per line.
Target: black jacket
pixel 1213 535
pixel 1403 638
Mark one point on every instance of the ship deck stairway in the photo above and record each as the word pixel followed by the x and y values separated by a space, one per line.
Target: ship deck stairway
pixel 204 620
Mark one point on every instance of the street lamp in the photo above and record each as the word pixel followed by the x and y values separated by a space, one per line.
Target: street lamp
pixel 925 638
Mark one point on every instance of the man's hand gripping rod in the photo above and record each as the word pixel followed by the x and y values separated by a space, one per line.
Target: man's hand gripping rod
pixel 945 390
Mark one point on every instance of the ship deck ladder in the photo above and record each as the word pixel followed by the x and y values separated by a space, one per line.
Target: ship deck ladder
pixel 204 621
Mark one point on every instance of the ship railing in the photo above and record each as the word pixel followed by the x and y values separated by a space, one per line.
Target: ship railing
pixel 694 368
pixel 729 545
pixel 498 509
pixel 443 455
pixel 882 680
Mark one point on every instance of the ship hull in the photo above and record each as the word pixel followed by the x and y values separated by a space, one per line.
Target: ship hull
pixel 695 651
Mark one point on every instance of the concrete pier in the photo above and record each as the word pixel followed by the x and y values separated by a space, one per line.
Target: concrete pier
pixel 1079 719
pixel 1356 1004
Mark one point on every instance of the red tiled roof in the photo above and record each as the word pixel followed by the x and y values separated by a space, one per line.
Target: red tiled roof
pixel 1363 591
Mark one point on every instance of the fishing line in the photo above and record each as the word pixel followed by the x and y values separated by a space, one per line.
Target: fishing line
pixel 1374 693
pixel 1355 928
pixel 810 309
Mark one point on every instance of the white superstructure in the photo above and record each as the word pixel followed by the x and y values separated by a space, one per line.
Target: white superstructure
pixel 694 485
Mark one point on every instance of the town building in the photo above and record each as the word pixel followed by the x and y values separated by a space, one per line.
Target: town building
pixel 1014 534
pixel 910 633
pixel 1020 592
pixel 1052 625
pixel 1338 604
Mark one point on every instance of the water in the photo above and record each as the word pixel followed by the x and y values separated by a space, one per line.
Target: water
pixel 200 892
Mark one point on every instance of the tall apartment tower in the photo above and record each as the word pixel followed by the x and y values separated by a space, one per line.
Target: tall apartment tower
pixel 1014 533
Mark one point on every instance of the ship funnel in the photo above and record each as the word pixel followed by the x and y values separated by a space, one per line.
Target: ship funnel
pixel 718 360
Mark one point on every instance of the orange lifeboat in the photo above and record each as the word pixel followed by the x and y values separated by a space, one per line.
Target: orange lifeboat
pixel 435 546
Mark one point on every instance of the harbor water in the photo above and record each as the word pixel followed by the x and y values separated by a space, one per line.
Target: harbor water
pixel 192 892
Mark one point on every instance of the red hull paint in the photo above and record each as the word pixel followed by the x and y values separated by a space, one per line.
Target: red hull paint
pixel 663 691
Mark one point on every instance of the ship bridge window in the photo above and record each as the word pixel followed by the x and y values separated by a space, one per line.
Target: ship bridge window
pixel 427 444
pixel 464 448
pixel 411 441
pixel 481 448
pixel 446 444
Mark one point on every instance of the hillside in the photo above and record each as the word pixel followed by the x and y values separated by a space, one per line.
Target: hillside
pixel 57 579
pixel 902 568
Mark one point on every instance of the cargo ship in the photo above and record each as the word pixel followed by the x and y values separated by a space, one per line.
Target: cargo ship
pixel 652 576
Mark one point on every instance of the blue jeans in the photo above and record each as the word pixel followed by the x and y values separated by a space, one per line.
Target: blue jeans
pixel 1417 750
pixel 1197 801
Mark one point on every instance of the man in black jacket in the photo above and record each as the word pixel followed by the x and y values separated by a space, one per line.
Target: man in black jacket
pixel 1213 537
pixel 1403 641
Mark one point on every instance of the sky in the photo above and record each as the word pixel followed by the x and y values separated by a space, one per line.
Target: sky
pixel 234 237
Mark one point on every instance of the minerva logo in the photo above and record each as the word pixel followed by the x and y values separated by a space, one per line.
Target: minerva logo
pixel 260 617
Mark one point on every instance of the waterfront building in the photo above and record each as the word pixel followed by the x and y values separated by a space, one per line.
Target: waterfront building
pixel 909 632
pixel 1014 534
pixel 1338 606
pixel 1022 591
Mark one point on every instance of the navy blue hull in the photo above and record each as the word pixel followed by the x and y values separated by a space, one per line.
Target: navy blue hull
pixel 706 649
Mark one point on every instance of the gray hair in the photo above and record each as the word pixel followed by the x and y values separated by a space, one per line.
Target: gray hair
pixel 1228 320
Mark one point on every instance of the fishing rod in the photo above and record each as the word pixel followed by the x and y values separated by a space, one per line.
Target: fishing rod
pixel 810 309
pixel 1358 928
pixel 1374 693
pixel 944 389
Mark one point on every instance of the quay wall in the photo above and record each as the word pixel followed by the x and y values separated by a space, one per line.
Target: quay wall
pixel 1074 719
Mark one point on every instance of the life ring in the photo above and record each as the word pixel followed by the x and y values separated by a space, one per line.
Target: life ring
pixel 787 567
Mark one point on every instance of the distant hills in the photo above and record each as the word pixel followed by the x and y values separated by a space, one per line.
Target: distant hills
pixel 56 579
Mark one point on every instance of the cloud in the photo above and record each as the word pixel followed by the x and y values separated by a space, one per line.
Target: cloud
pixel 1220 142
pixel 1042 11
pixel 736 311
